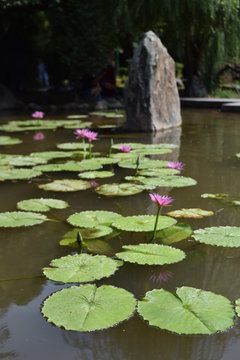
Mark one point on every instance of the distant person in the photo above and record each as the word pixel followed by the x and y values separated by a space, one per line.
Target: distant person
pixel 42 74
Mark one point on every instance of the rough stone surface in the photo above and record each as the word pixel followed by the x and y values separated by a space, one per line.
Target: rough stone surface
pixel 152 100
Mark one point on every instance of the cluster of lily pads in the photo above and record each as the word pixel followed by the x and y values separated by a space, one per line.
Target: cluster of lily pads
pixel 88 307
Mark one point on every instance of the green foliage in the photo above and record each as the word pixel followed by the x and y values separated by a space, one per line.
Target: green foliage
pixel 88 308
pixel 143 223
pixel 116 189
pixel 90 219
pixel 20 218
pixel 190 213
pixel 65 185
pixel 150 254
pixel 227 236
pixel 41 205
pixel 190 311
pixel 81 268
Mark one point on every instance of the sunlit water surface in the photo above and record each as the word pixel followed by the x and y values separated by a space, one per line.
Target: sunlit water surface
pixel 208 143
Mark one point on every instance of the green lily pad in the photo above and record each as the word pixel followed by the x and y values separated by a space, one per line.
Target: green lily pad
pixel 8 140
pixel 108 126
pixel 87 234
pixel 227 236
pixel 106 160
pixel 91 219
pixel 238 155
pixel 107 114
pixel 144 164
pixel 20 160
pixel 65 185
pixel 237 307
pixel 77 116
pixel 143 223
pixel 158 172
pixel 173 234
pixel 153 151
pixel 82 125
pixel 69 166
pixel 41 205
pixel 49 155
pixel 190 311
pixel 20 218
pixel 151 254
pixel 90 175
pixel 88 308
pixel 236 202
pixel 81 268
pixel 190 213
pixel 215 196
pixel 118 189
pixel 19 174
pixel 74 146
pixel 139 146
pixel 164 181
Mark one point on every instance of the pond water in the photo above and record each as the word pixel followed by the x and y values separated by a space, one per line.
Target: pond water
pixel 207 143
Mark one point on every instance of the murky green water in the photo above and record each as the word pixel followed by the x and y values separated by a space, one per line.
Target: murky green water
pixel 208 144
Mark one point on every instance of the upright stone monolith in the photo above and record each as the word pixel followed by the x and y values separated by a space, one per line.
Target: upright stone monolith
pixel 152 100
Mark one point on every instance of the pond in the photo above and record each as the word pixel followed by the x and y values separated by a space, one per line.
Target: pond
pixel 208 142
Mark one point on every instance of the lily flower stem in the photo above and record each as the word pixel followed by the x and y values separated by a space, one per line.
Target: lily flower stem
pixel 110 147
pixel 90 151
pixel 156 222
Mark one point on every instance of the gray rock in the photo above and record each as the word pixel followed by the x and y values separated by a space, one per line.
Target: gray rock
pixel 8 100
pixel 151 95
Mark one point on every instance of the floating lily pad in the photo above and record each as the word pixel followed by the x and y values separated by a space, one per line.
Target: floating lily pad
pixel 20 218
pixel 236 202
pixel 77 116
pixel 153 151
pixel 173 234
pixel 190 311
pixel 74 146
pixel 190 213
pixel 158 172
pixel 238 155
pixel 144 164
pixel 107 114
pixel 151 254
pixel 227 236
pixel 81 268
pixel 41 205
pixel 49 155
pixel 106 160
pixel 8 140
pixel 66 185
pixel 20 160
pixel 107 126
pixel 82 125
pixel 143 223
pixel 164 181
pixel 237 308
pixel 91 219
pixel 96 175
pixel 86 234
pixel 215 196
pixel 139 146
pixel 117 189
pixel 88 308
pixel 19 174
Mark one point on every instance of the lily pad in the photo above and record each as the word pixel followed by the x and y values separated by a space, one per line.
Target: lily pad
pixel 164 181
pixel 49 155
pixel 139 146
pixel 41 205
pixel 106 160
pixel 88 308
pixel 190 213
pixel 190 311
pixel 81 268
pixel 77 116
pixel 158 172
pixel 237 308
pixel 82 125
pixel 20 218
pixel 65 185
pixel 107 114
pixel 20 160
pixel 91 219
pixel 96 174
pixel 215 196
pixel 87 234
pixel 19 174
pixel 144 164
pixel 117 189
pixel 143 223
pixel 74 146
pixel 173 234
pixel 151 254
pixel 8 140
pixel 227 236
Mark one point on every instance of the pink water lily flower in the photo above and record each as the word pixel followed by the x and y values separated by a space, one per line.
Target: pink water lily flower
pixel 91 135
pixel 161 200
pixel 176 165
pixel 80 133
pixel 125 148
pixel 39 136
pixel 38 115
pixel 160 277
